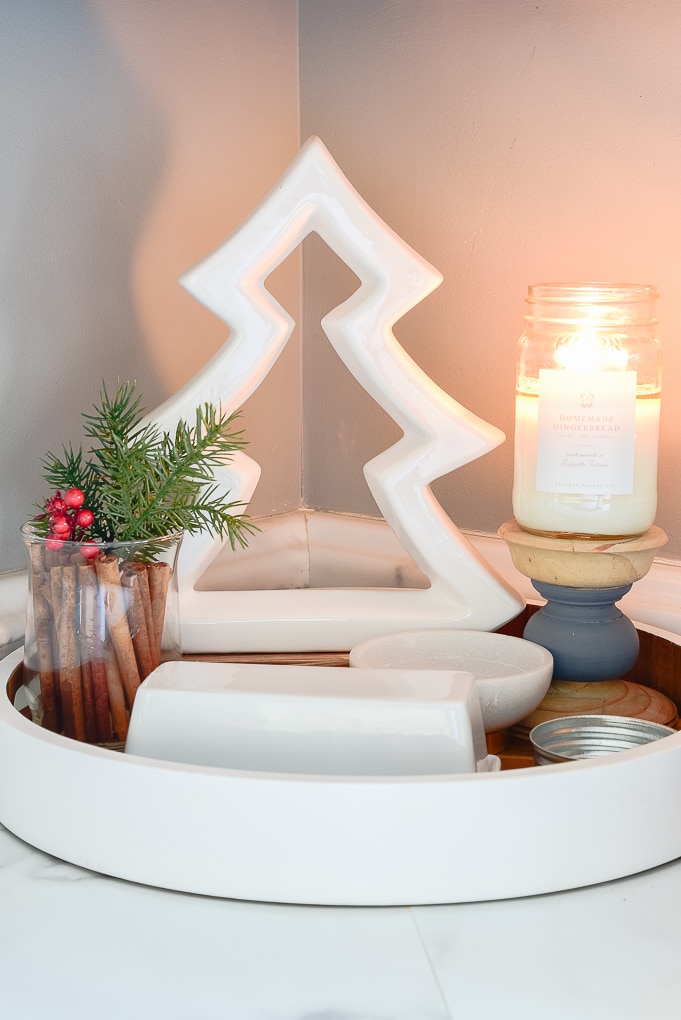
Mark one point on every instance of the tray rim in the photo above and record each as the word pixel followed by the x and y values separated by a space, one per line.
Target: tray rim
pixel 356 841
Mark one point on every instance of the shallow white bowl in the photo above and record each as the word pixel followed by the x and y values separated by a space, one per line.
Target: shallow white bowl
pixel 512 675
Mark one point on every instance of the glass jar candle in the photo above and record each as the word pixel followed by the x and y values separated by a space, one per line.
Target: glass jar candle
pixel 587 411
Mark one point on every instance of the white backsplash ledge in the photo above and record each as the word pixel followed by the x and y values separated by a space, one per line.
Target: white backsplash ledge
pixel 655 600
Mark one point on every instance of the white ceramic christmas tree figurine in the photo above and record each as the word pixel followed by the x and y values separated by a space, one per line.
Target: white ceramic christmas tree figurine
pixel 439 433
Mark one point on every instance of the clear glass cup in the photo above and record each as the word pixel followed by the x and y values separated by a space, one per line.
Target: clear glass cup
pixel 100 617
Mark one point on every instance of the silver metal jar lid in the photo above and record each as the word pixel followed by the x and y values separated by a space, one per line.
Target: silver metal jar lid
pixel 568 738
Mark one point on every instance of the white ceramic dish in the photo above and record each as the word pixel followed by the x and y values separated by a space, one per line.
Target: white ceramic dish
pixel 512 675
pixel 338 840
pixel 311 720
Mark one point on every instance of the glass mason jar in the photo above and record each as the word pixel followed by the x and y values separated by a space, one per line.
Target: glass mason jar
pixel 100 618
pixel 587 411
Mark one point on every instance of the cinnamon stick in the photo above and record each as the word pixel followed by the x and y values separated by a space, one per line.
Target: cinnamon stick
pixel 159 580
pixel 137 618
pixel 90 721
pixel 63 585
pixel 117 623
pixel 99 679
pixel 43 625
pixel 116 693
pixel 87 586
pixel 141 569
pixel 100 690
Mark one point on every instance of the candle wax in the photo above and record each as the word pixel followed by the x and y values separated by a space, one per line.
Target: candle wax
pixel 586 513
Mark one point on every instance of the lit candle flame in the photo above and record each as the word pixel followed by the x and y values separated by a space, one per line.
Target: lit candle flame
pixel 590 351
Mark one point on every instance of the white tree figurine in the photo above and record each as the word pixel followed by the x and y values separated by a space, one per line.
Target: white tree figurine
pixel 439 434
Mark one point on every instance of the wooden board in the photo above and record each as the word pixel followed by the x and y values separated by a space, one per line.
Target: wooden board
pixel 658 667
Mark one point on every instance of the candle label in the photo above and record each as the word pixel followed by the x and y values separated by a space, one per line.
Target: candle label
pixel 586 432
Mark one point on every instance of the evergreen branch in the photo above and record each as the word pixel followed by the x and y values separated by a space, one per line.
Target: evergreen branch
pixel 114 417
pixel 142 483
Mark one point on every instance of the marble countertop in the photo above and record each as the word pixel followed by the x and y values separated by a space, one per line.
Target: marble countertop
pixel 81 946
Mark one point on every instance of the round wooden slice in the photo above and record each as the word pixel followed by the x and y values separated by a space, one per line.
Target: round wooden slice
pixel 607 697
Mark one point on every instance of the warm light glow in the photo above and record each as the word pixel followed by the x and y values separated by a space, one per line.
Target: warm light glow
pixel 591 351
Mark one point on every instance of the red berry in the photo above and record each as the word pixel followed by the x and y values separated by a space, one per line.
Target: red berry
pixel 89 550
pixel 74 498
pixel 54 543
pixel 55 504
pixel 60 526
pixel 84 518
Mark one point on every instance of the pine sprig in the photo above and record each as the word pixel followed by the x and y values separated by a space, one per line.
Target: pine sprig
pixel 72 471
pixel 143 483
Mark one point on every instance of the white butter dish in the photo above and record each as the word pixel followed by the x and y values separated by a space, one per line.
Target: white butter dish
pixel 311 720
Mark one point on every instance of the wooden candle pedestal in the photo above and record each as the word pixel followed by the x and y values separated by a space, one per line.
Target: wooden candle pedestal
pixel 600 665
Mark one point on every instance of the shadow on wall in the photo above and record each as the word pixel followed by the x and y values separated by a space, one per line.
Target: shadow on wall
pixel 81 152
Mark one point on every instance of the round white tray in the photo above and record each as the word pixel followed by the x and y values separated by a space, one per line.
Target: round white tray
pixel 331 840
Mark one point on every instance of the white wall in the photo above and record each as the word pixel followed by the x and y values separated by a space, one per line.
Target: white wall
pixel 134 136
pixel 509 142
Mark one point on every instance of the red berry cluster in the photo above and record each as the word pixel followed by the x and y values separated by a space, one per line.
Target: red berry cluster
pixel 69 520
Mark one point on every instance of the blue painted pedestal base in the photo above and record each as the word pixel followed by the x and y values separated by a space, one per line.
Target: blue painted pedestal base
pixel 589 637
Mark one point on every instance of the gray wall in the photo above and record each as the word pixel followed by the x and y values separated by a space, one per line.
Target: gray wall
pixel 509 142
pixel 134 136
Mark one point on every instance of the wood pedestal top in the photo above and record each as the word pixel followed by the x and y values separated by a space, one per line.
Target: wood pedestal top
pixel 582 562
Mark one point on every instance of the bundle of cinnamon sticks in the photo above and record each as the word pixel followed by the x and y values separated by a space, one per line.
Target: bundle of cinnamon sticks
pixel 98 629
